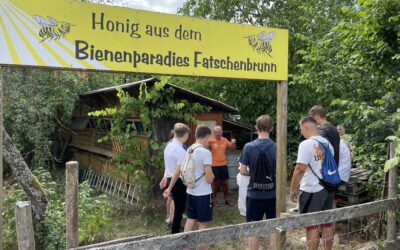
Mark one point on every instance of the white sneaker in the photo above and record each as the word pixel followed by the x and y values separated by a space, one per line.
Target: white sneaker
pixel 184 216
pixel 167 220
pixel 294 210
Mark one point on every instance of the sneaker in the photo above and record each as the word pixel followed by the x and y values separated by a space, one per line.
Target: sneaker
pixel 294 210
pixel 184 216
pixel 168 221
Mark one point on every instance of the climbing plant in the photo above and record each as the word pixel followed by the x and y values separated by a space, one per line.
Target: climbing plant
pixel 141 154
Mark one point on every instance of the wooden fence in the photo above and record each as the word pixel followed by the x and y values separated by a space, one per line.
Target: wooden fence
pixel 234 232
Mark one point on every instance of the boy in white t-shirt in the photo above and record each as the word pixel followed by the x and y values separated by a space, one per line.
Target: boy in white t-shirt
pixel 198 199
pixel 313 197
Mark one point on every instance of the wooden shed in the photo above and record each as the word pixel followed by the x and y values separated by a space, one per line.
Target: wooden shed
pixel 83 141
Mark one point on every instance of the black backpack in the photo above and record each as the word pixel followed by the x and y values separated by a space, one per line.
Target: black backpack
pixel 262 176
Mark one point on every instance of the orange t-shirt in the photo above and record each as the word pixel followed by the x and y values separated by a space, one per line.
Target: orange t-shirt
pixel 218 148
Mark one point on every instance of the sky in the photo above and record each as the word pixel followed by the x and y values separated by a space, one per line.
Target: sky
pixel 164 6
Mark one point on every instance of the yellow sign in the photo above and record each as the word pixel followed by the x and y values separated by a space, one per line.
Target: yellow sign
pixel 75 35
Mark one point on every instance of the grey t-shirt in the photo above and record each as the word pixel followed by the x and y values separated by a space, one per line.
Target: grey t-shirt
pixel 201 158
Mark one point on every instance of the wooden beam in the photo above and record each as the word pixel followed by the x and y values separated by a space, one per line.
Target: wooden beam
pixel 71 200
pixel 24 225
pixel 281 155
pixel 264 227
pixel 391 213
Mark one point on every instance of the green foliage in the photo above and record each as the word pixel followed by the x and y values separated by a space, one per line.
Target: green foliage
pixel 395 161
pixel 354 70
pixel 142 154
pixel 93 214
pixel 38 104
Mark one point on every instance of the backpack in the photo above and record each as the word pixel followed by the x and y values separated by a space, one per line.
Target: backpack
pixel 330 172
pixel 188 173
pixel 263 176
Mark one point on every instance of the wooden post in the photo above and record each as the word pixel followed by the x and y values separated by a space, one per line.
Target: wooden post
pixel 391 213
pixel 1 158
pixel 281 154
pixel 71 199
pixel 24 226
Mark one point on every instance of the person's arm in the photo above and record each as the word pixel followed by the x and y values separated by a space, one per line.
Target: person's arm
pixel 163 181
pixel 174 179
pixel 208 174
pixel 231 144
pixel 298 174
pixel 243 170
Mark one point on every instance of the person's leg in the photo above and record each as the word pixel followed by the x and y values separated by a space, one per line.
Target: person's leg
pixel 215 185
pixel 189 225
pixel 328 234
pixel 270 212
pixel 312 238
pixel 171 208
pixel 203 225
pixel 179 193
pixel 225 186
pixel 224 181
pixel 254 212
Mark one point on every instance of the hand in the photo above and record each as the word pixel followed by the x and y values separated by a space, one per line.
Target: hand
pixel 233 141
pixel 166 193
pixel 294 196
pixel 163 182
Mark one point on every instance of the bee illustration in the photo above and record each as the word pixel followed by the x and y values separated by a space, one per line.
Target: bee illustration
pixel 51 28
pixel 261 43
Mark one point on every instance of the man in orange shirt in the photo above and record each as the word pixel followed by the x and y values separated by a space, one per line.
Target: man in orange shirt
pixel 218 146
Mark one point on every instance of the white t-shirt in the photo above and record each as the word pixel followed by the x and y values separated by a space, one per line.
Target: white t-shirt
pixel 174 154
pixel 344 161
pixel 201 158
pixel 308 155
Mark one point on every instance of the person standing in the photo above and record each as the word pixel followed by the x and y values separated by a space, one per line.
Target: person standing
pixel 261 198
pixel 174 154
pixel 312 196
pixel 198 199
pixel 326 129
pixel 218 146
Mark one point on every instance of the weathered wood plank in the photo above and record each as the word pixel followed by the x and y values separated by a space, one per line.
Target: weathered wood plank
pixel 233 232
pixel 391 213
pixel 71 200
pixel 24 225
pixel 281 153
pixel 113 242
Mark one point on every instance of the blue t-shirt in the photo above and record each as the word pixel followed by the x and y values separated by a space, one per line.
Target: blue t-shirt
pixel 249 156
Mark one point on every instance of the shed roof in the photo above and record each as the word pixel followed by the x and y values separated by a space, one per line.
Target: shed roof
pixel 192 96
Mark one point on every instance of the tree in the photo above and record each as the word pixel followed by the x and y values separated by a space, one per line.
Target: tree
pixel 354 69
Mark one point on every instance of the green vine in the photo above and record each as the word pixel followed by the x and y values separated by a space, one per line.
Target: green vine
pixel 141 154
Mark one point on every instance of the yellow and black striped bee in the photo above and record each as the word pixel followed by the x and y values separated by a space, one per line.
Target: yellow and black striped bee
pixel 51 28
pixel 261 43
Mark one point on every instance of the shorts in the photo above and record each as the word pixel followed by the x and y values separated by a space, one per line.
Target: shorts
pixel 256 208
pixel 316 202
pixel 199 207
pixel 220 173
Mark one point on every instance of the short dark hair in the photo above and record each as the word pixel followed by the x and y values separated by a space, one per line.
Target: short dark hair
pixel 264 123
pixel 181 129
pixel 308 119
pixel 202 131
pixel 317 110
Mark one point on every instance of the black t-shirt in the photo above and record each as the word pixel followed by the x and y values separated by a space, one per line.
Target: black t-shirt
pixel 329 132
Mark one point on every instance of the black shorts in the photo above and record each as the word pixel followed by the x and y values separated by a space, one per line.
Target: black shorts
pixel 220 173
pixel 315 202
pixel 256 208
pixel 199 207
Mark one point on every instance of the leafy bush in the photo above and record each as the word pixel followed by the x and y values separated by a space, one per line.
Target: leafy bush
pixel 93 214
